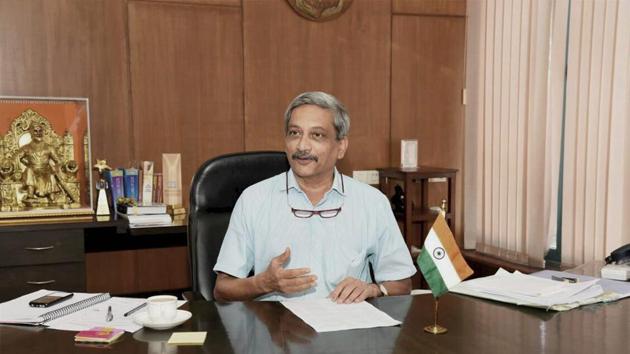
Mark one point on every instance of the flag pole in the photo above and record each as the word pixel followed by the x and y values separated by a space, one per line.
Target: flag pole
pixel 439 257
pixel 435 328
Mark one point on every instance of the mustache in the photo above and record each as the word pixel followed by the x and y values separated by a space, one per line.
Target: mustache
pixel 303 155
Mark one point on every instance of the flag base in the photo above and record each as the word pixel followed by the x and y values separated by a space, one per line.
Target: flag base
pixel 435 329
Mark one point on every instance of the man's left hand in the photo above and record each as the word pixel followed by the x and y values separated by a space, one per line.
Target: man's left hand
pixel 353 290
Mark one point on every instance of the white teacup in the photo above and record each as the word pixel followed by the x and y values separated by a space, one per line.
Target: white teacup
pixel 162 308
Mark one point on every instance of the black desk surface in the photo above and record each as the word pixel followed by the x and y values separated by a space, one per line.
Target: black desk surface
pixel 475 326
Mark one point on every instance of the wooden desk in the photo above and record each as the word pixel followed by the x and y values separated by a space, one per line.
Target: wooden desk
pixel 92 256
pixel 475 326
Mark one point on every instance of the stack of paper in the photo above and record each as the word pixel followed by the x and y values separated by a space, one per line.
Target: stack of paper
pixel 147 220
pixel 528 290
pixel 621 288
pixel 187 338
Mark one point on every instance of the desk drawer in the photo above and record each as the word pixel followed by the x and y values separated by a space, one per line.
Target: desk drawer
pixel 17 281
pixel 41 247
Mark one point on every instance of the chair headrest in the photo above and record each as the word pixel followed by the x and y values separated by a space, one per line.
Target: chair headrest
pixel 220 181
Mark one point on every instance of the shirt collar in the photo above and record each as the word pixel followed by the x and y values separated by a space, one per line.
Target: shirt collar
pixel 292 183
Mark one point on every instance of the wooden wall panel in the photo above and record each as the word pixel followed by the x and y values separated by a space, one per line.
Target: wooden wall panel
pixel 207 77
pixel 427 80
pixel 349 57
pixel 71 48
pixel 187 82
pixel 233 3
pixel 430 7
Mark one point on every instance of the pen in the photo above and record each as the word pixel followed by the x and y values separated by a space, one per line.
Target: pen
pixel 110 316
pixel 567 279
pixel 135 309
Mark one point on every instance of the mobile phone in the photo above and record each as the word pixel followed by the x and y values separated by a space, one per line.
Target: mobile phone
pixel 50 299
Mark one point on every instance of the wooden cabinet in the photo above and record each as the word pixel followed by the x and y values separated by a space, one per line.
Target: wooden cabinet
pixel 137 261
pixel 138 271
pixel 32 259
pixel 417 215
pixel 41 247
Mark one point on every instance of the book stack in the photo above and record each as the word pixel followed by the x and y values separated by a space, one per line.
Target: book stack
pixel 177 212
pixel 145 215
pixel 140 185
pixel 143 185
pixel 103 335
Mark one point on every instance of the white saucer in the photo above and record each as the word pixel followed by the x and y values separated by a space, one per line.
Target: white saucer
pixel 142 318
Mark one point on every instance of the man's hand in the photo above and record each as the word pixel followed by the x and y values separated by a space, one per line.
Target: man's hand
pixel 353 290
pixel 275 278
pixel 286 281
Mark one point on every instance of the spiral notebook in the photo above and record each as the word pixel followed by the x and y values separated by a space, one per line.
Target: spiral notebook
pixel 18 311
pixel 72 308
pixel 83 311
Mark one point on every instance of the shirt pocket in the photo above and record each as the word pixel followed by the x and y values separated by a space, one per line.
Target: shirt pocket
pixel 349 263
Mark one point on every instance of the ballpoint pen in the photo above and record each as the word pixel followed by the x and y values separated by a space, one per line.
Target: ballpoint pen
pixel 565 279
pixel 110 316
pixel 135 309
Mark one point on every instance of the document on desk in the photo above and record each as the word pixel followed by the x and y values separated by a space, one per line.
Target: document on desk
pixel 325 315
pixel 528 290
pixel 622 288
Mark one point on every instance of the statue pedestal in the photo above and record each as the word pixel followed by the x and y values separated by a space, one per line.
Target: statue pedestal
pixel 102 204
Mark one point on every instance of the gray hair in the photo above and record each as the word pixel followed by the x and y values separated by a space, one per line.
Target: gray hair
pixel 341 118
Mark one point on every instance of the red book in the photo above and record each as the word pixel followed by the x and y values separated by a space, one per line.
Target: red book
pixel 99 335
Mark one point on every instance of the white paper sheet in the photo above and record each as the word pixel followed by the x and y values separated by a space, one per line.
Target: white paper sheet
pixel 325 315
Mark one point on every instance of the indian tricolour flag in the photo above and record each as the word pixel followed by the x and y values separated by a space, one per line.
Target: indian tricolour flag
pixel 440 260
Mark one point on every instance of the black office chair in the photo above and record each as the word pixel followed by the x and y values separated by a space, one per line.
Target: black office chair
pixel 215 188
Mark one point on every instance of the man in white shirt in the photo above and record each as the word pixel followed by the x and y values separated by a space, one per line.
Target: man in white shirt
pixel 311 232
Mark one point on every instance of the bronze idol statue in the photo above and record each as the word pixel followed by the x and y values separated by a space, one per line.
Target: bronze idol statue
pixel 37 168
pixel 39 177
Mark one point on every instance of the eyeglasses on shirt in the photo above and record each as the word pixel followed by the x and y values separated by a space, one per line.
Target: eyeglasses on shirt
pixel 305 214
